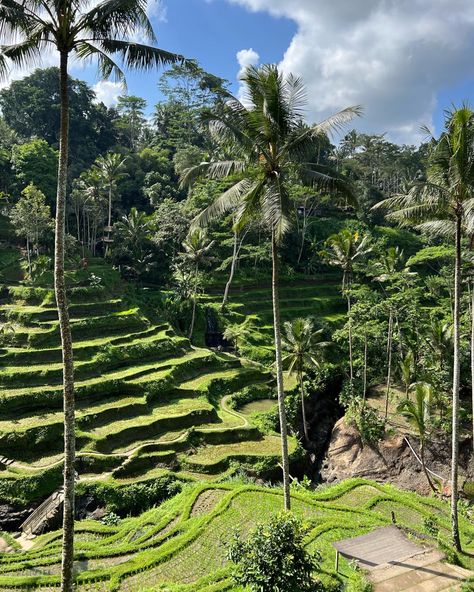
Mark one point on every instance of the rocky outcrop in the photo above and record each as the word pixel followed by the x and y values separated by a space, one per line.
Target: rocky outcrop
pixel 390 461
pixel 11 518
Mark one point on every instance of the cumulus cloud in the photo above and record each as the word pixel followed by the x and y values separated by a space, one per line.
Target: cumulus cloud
pixel 390 56
pixel 108 92
pixel 245 58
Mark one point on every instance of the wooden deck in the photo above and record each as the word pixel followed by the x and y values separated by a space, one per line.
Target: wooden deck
pixel 383 545
pixel 396 564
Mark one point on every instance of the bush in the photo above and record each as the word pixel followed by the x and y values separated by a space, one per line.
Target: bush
pixel 274 558
pixel 357 582
pixel 366 419
pixel 134 498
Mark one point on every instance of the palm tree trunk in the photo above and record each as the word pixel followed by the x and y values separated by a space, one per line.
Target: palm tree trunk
pixel 28 254
pixel 109 220
pixel 456 385
pixel 303 408
pixel 389 361
pixel 279 373
pixel 231 274
pixel 365 369
pixel 351 362
pixel 193 316
pixel 423 465
pixel 66 339
pixel 472 362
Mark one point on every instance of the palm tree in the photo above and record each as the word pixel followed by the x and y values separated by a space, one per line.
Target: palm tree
pixel 407 369
pixel 417 413
pixel 196 253
pixel 346 248
pixel 304 349
pixel 238 333
pixel 110 169
pixel 29 28
pixel 385 273
pixel 442 204
pixel 268 141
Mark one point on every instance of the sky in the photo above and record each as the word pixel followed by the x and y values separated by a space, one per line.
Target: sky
pixel 403 61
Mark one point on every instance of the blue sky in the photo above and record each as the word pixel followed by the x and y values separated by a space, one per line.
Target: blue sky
pixel 403 61
pixel 213 33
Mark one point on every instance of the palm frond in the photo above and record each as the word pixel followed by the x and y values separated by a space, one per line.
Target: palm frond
pixel 229 200
pixel 121 18
pixel 107 67
pixel 139 56
pixel 337 121
pixel 444 228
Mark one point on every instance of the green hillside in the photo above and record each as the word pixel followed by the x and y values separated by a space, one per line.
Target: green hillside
pixel 147 401
pixel 181 546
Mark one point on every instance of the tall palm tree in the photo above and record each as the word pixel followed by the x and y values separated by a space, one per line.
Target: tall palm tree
pixel 268 141
pixel 110 168
pixel 196 253
pixel 28 29
pixel 345 248
pixel 304 349
pixel 442 204
pixel 417 412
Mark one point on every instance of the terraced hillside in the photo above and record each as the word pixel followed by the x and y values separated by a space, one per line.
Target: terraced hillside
pixel 180 546
pixel 319 298
pixel 147 401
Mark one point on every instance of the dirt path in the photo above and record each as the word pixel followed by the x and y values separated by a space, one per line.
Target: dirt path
pixel 424 572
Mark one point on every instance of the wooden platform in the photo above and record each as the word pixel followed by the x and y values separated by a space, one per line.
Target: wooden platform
pixel 383 545
pixel 396 564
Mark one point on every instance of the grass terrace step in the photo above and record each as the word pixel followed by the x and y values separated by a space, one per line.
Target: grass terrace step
pixel 128 381
pixel 159 419
pixel 37 314
pixel 164 549
pixel 158 347
pixel 217 458
pixel 84 350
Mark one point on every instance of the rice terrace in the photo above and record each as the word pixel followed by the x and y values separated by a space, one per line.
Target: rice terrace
pixel 236 296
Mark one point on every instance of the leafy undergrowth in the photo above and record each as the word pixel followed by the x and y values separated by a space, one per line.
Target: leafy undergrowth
pixel 181 545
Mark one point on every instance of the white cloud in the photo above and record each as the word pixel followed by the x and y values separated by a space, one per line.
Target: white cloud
pixel 108 92
pixel 245 58
pixel 390 56
pixel 156 10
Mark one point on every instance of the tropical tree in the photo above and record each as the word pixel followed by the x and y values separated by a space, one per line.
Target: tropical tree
pixel 407 369
pixel 31 219
pixel 417 412
pixel 344 249
pixel 238 333
pixel 441 204
pixel 110 169
pixel 196 253
pixel 268 142
pixel 100 31
pixel 304 349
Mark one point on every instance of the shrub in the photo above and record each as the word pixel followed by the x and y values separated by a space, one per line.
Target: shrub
pixel 134 498
pixel 357 582
pixel 274 558
pixel 366 419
